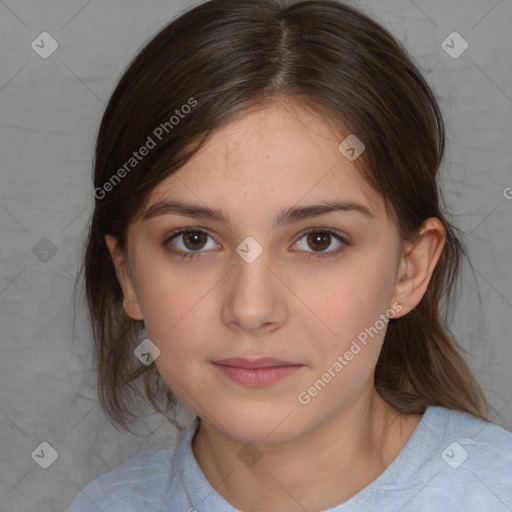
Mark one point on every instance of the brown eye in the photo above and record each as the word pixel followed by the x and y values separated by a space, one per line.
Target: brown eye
pixel 319 241
pixel 194 240
pixel 191 240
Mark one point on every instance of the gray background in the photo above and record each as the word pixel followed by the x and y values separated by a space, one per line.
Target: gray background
pixel 50 110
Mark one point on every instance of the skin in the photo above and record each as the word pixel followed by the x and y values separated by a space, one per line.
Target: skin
pixel 290 303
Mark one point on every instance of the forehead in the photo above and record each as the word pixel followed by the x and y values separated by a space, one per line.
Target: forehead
pixel 272 157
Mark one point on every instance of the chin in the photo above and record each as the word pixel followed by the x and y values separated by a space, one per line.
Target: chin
pixel 262 428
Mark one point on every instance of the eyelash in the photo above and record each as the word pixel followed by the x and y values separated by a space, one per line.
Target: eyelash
pixel 312 255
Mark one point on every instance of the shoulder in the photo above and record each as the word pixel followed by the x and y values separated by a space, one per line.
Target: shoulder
pixel 139 484
pixel 474 443
pixel 472 462
pixel 469 430
pixel 453 461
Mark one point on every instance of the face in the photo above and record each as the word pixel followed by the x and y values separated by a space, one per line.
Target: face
pixel 265 275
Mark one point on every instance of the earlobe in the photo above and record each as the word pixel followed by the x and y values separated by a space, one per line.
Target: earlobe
pixel 120 262
pixel 418 262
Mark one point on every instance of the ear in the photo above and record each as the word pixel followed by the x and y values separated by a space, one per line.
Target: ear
pixel 120 261
pixel 417 264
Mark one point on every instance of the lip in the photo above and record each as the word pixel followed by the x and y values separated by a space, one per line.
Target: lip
pixel 261 362
pixel 256 373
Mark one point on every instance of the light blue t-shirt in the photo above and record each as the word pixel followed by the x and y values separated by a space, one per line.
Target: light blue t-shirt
pixel 452 462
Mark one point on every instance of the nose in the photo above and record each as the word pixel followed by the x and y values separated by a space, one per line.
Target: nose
pixel 254 297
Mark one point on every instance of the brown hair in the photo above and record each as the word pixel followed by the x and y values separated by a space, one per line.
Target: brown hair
pixel 223 58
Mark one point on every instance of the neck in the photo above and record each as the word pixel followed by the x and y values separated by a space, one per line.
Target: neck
pixel 317 471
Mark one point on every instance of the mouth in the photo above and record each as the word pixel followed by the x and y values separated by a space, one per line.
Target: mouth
pixel 261 362
pixel 257 372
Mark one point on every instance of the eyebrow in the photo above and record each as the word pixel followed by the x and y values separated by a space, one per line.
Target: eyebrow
pixel 288 216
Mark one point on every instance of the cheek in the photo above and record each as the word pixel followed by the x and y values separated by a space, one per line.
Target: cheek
pixel 170 293
pixel 345 300
pixel 345 342
pixel 347 336
pixel 176 317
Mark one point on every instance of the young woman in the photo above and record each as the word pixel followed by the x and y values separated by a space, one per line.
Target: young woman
pixel 268 221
